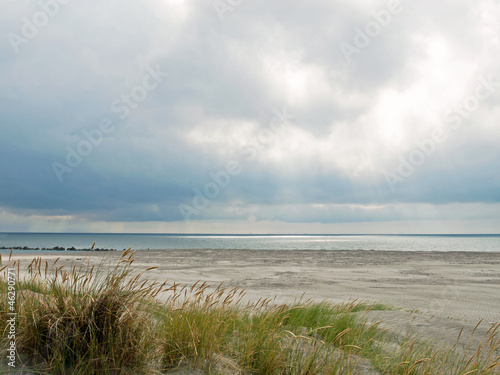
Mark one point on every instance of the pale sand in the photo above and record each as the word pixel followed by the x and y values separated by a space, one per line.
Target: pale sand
pixel 448 290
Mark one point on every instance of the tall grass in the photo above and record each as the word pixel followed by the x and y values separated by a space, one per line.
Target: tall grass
pixel 102 320
pixel 85 320
pixel 479 355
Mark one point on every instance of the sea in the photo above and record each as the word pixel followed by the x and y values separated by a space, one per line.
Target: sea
pixel 444 242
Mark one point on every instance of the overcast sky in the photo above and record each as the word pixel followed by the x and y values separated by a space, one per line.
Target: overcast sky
pixel 281 116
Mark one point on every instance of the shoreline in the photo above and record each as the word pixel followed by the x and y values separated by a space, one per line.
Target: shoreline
pixel 72 249
pixel 367 274
pixel 434 293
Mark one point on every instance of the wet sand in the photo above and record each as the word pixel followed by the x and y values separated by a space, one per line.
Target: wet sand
pixel 436 293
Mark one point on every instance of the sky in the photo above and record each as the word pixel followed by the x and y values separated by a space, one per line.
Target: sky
pixel 238 116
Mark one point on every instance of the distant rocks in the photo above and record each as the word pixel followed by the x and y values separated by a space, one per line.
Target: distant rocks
pixel 56 248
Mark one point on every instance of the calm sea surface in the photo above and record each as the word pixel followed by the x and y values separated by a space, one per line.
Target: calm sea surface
pixel 255 242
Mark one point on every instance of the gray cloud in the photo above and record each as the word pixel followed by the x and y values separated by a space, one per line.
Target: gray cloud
pixel 225 78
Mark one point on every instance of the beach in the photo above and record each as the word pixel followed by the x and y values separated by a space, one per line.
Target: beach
pixel 437 293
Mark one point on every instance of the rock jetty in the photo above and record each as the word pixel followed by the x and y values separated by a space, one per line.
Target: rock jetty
pixel 55 248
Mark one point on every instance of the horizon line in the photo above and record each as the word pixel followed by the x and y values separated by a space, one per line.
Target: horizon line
pixel 263 234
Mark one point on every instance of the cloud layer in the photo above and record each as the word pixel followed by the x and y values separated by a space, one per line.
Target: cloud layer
pixel 124 111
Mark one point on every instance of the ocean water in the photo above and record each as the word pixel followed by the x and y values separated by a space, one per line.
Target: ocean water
pixel 490 243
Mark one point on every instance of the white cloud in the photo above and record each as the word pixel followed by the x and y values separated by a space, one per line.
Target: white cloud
pixel 352 121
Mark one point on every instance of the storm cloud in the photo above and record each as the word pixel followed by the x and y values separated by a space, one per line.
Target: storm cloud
pixel 193 113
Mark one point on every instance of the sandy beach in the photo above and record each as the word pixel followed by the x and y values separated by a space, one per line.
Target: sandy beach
pixel 436 293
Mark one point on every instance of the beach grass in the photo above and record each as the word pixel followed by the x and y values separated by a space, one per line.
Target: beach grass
pixel 114 320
